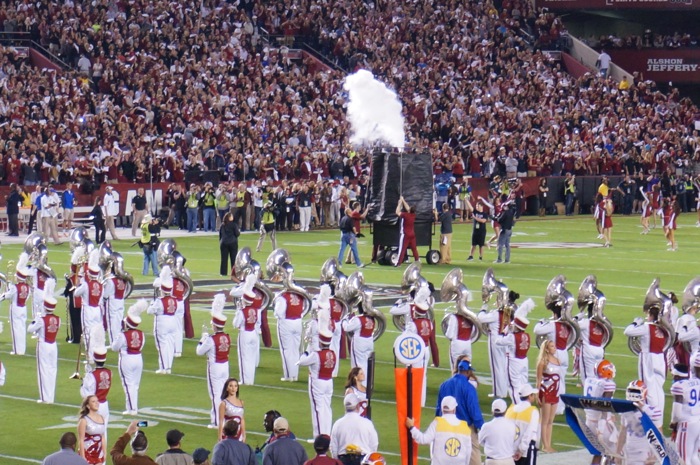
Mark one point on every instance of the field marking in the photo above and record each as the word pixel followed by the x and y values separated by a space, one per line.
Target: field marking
pixel 20 459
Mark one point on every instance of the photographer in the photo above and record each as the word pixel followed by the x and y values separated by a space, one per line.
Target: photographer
pixel 267 226
pixel 149 242
pixel 223 202
pixel 207 202
pixel 192 207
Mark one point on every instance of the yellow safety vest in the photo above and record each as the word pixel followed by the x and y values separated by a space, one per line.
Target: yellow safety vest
pixel 192 201
pixel 222 202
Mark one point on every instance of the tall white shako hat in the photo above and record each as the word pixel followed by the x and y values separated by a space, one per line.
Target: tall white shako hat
pixel 422 299
pixel 97 342
pixel 249 289
pixel 324 328
pixel 218 319
pixel 323 299
pixel 94 263
pixel 166 280
pixel 49 300
pixel 520 320
pixel 133 315
pixel 21 271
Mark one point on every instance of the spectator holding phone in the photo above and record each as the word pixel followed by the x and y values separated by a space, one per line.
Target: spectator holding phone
pixel 139 446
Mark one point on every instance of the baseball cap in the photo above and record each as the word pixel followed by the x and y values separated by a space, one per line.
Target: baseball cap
pixel 526 390
pixel 499 406
pixel 174 437
pixel 200 455
pixel 351 401
pixel 281 425
pixel 322 443
pixel 464 365
pixel 448 403
pixel 140 442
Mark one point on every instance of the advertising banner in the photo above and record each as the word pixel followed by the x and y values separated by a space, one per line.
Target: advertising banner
pixel 619 4
pixel 659 65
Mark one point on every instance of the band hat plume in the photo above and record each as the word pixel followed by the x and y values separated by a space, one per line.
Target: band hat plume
pixel 49 299
pixel 133 315
pixel 217 310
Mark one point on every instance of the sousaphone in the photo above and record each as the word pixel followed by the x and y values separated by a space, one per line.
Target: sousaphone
pixel 454 289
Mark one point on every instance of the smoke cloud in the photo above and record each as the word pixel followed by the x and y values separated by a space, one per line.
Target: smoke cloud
pixel 374 111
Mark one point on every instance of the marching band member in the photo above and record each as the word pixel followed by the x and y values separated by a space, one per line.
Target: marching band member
pixel 113 294
pixel 75 304
pixel 179 287
pixel 601 385
pixel 459 333
pixel 46 327
pixel 517 344
pixel 652 358
pixel 418 321
pixel 321 363
pixel 129 343
pixel 98 380
pixel 247 321
pixel 320 304
pixel 165 327
pixel 337 309
pixel 592 350
pixel 687 337
pixel 633 439
pixel 685 417
pixel 39 277
pixel 18 293
pixel 216 347
pixel 90 291
pixel 288 309
pixel 494 320
pixel 362 328
pixel 3 373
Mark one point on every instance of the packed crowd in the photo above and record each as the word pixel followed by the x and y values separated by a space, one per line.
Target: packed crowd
pixel 647 39
pixel 159 91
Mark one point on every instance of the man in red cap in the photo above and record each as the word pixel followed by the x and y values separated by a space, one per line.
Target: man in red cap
pixel 46 328
pixel 129 343
pixel 216 347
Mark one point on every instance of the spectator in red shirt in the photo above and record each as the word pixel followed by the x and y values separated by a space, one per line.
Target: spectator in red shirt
pixel 408 234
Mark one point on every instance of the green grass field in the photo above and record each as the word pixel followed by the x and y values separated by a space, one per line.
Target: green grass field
pixel 31 430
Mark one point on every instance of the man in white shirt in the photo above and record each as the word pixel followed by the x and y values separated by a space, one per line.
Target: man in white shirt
pixel 49 214
pixel 603 63
pixel 450 437
pixel 527 420
pixel 353 429
pixel 497 436
pixel 111 210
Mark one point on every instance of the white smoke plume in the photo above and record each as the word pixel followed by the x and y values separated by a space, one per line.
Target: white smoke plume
pixel 374 111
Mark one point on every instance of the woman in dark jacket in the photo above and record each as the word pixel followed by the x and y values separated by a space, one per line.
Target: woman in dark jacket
pixel 228 242
pixel 98 220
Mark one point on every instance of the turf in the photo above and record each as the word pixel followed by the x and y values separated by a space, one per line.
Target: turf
pixel 624 272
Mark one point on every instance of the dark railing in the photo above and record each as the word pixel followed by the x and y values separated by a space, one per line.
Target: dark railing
pixel 23 39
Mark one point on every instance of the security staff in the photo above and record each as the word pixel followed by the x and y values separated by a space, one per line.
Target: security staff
pixel 353 436
pixel 527 420
pixel 460 387
pixel 450 437
pixel 498 436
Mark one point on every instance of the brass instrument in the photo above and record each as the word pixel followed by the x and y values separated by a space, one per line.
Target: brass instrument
pixel 453 288
pixel 490 286
pixel 8 278
pixel 411 281
pixel 356 293
pixel 330 273
pixel 279 268
pixel 590 298
pixel 691 302
pixel 164 254
pixel 246 265
pixel 656 301
pixel 106 260
pixel 120 272
pixel 182 273
pixel 366 300
pixel 560 301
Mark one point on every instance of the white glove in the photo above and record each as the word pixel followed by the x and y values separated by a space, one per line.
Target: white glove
pixel 1 327
pixel 638 321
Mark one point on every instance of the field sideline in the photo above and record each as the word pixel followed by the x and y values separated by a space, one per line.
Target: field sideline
pixel 542 249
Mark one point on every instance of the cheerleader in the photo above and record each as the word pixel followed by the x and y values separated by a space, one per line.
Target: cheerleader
pixel 656 198
pixel 670 212
pixel 598 214
pixel 647 212
pixel 354 385
pixel 548 379
pixel 231 408
pixel 91 432
pixel 495 209
pixel 607 222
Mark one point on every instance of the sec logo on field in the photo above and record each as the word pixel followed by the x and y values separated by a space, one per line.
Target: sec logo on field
pixel 409 349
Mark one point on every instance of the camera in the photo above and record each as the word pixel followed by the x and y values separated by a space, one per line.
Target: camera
pixel 142 424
